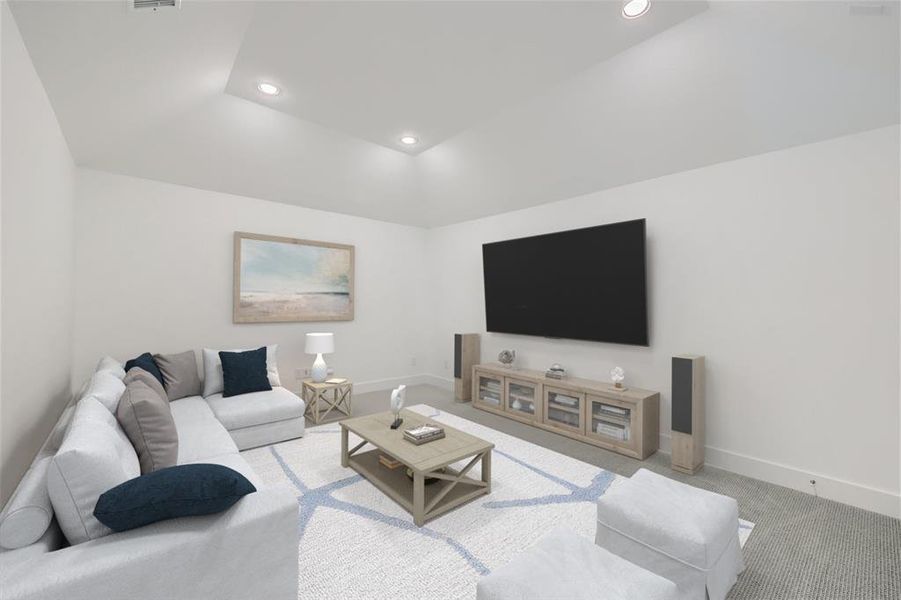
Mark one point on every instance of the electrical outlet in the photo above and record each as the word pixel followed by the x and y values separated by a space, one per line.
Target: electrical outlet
pixel 446 366
pixel 413 362
pixel 301 374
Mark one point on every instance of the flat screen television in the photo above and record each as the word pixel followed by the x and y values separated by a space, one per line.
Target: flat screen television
pixel 584 284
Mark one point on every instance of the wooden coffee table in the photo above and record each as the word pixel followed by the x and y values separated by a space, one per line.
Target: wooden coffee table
pixel 427 461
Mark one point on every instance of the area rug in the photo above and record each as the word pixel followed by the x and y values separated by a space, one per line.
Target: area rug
pixel 357 543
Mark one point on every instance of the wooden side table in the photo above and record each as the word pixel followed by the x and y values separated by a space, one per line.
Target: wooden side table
pixel 322 398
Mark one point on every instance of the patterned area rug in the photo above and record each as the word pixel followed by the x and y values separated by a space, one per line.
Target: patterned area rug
pixel 357 543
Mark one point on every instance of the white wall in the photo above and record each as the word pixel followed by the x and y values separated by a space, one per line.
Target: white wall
pixel 37 261
pixel 154 273
pixel 781 268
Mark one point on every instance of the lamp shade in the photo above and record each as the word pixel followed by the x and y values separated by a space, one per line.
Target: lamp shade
pixel 320 343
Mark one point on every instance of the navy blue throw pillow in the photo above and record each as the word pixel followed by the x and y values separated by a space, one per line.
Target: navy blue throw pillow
pixel 146 362
pixel 181 491
pixel 244 372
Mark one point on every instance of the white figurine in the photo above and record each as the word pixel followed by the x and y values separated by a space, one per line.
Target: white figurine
pixel 617 375
pixel 397 403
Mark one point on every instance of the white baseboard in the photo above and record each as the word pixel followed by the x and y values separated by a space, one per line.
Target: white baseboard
pixel 444 383
pixel 378 385
pixel 846 492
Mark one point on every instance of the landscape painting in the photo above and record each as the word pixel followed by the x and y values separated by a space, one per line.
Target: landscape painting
pixel 281 279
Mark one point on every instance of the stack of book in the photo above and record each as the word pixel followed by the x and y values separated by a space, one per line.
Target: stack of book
pixel 619 432
pixel 388 462
pixel 423 434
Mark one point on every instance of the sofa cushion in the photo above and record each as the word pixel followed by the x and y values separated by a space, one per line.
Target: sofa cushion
pixel 256 408
pixel 95 456
pixel 268 433
pixel 106 388
pixel 145 361
pixel 147 420
pixel 112 366
pixel 244 372
pixel 182 491
pixel 27 514
pixel 212 369
pixel 200 435
pixel 180 376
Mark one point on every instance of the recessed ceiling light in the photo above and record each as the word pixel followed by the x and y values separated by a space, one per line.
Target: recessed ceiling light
pixel 632 9
pixel 409 140
pixel 270 89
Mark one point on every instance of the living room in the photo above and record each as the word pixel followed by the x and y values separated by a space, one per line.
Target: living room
pixel 685 212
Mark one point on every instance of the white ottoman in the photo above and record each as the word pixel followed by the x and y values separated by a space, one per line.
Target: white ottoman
pixel 679 532
pixel 566 566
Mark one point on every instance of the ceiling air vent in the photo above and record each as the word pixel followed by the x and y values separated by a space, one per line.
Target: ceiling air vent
pixel 154 5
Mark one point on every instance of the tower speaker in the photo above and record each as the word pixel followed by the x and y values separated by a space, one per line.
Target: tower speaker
pixel 466 354
pixel 688 413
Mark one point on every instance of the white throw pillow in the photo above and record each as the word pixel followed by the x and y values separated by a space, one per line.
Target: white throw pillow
pixel 213 382
pixel 106 388
pixel 111 365
pixel 95 456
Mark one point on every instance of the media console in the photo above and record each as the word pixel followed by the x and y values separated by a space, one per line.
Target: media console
pixel 625 421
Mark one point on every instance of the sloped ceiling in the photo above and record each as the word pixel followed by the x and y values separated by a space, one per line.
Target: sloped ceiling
pixel 515 103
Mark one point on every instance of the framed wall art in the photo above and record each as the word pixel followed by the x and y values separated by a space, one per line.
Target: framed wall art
pixel 279 279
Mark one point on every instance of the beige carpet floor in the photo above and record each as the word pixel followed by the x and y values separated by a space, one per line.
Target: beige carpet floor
pixel 802 547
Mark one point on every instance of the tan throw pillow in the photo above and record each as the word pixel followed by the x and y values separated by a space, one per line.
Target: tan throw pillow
pixel 179 374
pixel 145 416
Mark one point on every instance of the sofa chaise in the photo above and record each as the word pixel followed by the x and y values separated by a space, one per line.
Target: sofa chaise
pixel 247 551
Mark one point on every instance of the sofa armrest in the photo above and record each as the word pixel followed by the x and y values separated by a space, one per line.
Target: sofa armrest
pixel 247 551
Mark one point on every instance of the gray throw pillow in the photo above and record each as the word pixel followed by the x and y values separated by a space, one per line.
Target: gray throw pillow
pixel 179 374
pixel 145 416
pixel 139 374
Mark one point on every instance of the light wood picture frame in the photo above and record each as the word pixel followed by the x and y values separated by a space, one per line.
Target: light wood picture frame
pixel 284 280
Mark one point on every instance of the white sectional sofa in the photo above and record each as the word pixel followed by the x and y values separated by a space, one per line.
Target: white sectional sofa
pixel 274 416
pixel 247 551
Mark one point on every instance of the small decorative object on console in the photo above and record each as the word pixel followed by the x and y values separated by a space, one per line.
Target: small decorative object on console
pixel 617 375
pixel 506 357
pixel 397 403
pixel 555 372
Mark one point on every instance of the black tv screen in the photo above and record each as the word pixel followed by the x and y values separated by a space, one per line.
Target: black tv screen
pixel 584 284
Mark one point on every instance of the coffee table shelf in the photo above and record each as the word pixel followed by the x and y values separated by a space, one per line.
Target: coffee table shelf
pixel 395 484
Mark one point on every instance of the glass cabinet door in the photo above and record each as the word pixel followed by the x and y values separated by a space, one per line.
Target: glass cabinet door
pixel 563 409
pixel 523 398
pixel 489 391
pixel 610 421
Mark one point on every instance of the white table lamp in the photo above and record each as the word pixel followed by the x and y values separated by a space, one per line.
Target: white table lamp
pixel 319 344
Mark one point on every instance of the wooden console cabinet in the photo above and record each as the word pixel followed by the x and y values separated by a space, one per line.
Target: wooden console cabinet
pixel 625 421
